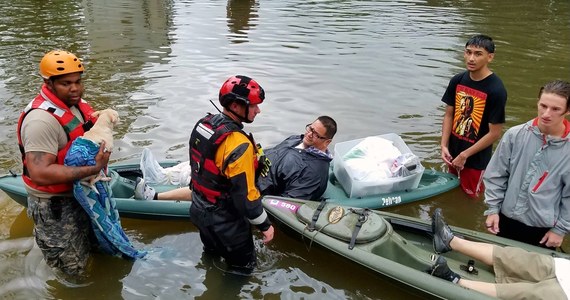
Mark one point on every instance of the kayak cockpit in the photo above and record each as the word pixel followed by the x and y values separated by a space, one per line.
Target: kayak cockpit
pixel 122 187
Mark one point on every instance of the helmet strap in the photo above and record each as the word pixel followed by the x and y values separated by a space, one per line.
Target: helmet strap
pixel 244 102
pixel 241 118
pixel 246 120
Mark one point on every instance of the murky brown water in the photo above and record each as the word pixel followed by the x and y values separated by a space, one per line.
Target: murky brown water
pixel 375 66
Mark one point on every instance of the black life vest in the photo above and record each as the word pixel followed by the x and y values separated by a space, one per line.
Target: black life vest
pixel 208 180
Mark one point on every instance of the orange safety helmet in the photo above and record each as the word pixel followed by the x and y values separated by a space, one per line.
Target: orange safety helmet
pixel 59 62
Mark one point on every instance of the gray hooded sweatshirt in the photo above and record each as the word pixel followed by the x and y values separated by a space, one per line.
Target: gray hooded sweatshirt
pixel 528 178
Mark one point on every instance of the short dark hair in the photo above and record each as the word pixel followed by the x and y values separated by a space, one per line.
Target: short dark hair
pixel 557 87
pixel 329 124
pixel 482 41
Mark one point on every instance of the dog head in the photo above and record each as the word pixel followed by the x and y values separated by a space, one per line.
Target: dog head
pixel 108 116
pixel 102 130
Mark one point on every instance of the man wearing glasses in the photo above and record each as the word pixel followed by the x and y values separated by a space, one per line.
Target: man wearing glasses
pixel 300 164
pixel 299 167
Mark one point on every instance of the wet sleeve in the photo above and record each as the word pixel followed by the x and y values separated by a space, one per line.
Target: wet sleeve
pixel 236 158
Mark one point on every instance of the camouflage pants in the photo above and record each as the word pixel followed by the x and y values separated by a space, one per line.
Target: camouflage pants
pixel 63 233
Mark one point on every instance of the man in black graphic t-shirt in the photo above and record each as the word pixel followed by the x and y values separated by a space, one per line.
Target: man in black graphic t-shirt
pixel 474 115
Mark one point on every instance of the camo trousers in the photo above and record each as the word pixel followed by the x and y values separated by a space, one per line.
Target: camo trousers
pixel 63 233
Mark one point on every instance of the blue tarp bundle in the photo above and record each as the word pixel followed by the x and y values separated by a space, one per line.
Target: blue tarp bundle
pixel 100 207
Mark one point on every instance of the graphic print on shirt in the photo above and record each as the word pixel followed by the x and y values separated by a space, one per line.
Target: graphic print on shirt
pixel 469 107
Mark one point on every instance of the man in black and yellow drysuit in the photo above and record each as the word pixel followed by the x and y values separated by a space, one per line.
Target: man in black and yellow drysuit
pixel 224 163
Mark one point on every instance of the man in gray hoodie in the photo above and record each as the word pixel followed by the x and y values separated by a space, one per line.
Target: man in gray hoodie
pixel 528 178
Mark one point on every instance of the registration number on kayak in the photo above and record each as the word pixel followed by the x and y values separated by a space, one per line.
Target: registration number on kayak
pixel 283 204
pixel 386 201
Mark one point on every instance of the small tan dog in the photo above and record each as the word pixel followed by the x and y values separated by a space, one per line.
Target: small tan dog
pixel 102 130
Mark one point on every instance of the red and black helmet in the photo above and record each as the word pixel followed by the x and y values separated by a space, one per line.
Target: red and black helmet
pixel 241 88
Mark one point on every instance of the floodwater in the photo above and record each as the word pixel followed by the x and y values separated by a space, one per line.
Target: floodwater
pixel 374 66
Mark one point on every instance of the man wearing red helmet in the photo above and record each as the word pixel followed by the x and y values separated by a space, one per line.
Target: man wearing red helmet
pixel 223 161
pixel 46 128
pixel 299 168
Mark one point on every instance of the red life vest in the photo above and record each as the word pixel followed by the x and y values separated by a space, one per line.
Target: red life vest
pixel 72 126
pixel 207 180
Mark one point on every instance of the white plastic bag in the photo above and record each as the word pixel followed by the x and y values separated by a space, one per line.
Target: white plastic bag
pixel 179 174
pixel 371 159
pixel 405 165
pixel 154 174
pixel 362 169
pixel 375 149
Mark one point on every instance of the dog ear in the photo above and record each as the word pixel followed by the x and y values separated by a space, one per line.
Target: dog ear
pixel 96 114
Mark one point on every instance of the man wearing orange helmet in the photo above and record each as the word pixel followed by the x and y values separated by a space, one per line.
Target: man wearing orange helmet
pixel 46 128
pixel 223 162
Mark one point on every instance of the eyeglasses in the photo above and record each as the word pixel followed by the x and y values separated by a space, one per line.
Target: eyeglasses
pixel 311 130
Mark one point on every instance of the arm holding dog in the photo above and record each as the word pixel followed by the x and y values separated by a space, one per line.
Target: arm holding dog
pixel 44 169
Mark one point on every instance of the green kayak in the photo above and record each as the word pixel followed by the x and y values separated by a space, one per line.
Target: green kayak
pixel 124 175
pixel 431 183
pixel 395 246
pixel 122 187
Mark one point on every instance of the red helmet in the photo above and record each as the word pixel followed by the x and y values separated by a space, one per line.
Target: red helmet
pixel 241 88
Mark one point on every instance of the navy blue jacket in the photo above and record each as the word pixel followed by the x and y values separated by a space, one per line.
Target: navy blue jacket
pixel 295 173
